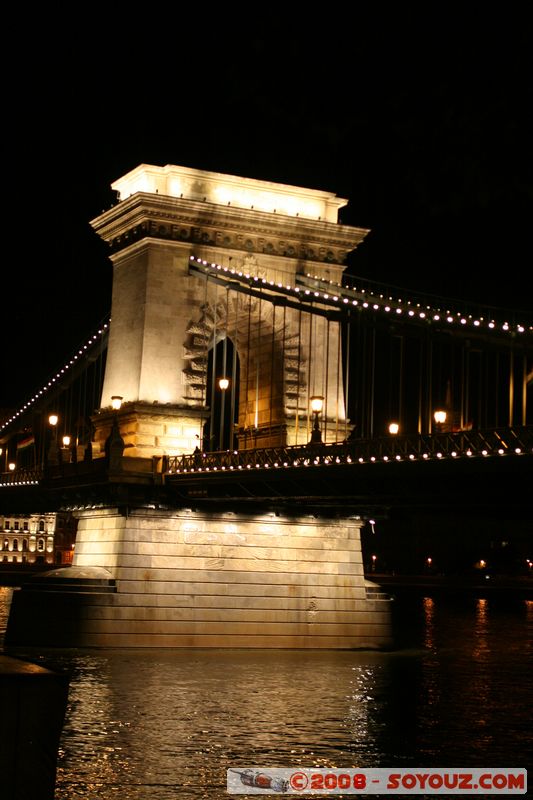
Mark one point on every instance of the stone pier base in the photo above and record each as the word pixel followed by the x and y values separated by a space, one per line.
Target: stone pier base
pixel 195 579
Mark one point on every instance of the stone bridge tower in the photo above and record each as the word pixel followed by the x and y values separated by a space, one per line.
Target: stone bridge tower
pixel 186 572
pixel 167 318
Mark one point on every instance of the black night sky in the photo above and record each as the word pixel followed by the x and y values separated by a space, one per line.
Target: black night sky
pixel 424 124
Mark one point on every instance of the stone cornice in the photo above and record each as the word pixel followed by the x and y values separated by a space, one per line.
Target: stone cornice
pixel 252 231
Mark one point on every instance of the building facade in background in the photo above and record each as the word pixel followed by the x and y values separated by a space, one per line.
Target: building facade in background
pixel 37 538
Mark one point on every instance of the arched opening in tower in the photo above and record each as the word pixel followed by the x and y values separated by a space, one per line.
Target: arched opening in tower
pixel 222 397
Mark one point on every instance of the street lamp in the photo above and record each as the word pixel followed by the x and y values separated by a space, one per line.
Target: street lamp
pixel 223 384
pixel 53 452
pixel 394 428
pixel 12 466
pixel 440 418
pixel 114 444
pixel 65 453
pixel 317 402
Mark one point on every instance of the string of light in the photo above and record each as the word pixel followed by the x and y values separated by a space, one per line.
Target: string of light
pixel 345 296
pixel 19 483
pixel 59 375
pixel 327 460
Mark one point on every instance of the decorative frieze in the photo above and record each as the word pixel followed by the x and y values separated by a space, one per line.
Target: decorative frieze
pixel 286 248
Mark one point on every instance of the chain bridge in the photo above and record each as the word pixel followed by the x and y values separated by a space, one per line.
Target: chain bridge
pixel 246 411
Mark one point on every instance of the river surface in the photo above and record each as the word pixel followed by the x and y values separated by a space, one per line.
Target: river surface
pixel 160 725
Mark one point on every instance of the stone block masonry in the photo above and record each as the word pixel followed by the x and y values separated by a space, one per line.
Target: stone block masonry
pixel 218 580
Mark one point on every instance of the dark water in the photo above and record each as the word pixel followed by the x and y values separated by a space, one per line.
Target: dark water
pixel 157 725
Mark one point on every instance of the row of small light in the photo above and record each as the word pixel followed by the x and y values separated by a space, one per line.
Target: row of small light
pixel 19 483
pixel 55 378
pixel 387 305
pixel 327 460
pixel 428 312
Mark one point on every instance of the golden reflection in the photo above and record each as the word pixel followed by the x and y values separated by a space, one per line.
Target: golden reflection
pixel 528 638
pixel 170 723
pixel 362 697
pixel 431 688
pixel 429 619
pixel 481 686
pixel 481 649
pixel 5 603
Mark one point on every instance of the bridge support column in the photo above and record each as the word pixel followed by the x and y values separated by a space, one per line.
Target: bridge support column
pixel 203 579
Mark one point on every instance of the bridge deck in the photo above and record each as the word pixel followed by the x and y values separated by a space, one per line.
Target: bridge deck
pixel 474 470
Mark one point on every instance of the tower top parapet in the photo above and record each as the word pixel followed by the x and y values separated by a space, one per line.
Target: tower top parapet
pixel 230 190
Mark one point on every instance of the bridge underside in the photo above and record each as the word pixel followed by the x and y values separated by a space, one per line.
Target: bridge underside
pixel 369 479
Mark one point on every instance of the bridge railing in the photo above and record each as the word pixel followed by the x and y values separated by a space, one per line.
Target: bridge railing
pixel 462 444
pixel 27 476
pixel 467 444
pixel 21 477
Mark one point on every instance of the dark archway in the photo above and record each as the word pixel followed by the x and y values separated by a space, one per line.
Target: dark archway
pixel 219 430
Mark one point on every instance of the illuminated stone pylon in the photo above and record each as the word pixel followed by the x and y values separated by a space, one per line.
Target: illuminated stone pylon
pixel 166 317
pixel 148 571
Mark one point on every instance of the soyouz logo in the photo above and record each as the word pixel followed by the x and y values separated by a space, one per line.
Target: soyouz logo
pixel 428 781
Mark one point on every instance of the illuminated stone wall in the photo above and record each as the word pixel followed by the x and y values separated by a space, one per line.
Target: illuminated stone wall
pixel 193 579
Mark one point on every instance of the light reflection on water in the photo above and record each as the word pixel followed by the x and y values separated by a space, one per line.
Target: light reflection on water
pixel 158 725
pixel 5 602
pixel 177 720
